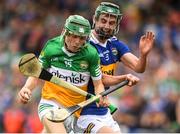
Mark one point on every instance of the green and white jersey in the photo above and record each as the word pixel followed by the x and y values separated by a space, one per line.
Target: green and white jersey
pixel 76 68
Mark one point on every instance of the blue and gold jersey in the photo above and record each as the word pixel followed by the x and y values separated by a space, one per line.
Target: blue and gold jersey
pixel 110 53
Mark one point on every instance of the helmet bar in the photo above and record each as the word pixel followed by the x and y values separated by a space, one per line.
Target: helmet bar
pixel 110 5
pixel 79 24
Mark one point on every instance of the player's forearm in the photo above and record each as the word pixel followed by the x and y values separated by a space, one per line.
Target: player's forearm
pixel 31 83
pixel 109 80
pixel 141 64
pixel 135 63
pixel 99 89
pixel 98 86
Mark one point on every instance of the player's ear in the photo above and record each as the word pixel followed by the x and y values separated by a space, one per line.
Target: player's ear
pixel 93 25
pixel 94 19
pixel 63 31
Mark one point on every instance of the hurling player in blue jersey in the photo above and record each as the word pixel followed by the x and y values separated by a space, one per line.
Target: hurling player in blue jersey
pixel 111 50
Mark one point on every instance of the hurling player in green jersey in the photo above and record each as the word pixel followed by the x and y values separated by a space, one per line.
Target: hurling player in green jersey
pixel 69 57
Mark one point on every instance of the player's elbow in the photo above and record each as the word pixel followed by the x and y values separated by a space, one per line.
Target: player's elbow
pixel 139 70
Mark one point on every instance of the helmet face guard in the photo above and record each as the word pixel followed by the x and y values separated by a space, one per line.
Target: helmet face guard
pixel 110 9
pixel 77 25
pixel 103 35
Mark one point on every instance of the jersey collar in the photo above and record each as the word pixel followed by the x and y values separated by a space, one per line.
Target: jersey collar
pixel 96 41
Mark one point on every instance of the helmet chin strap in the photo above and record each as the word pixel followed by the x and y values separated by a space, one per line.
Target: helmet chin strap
pixel 102 35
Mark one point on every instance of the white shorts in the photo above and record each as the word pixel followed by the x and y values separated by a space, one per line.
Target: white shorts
pixel 93 123
pixel 46 105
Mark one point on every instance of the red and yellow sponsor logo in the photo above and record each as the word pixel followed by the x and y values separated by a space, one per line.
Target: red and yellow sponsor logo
pixel 109 69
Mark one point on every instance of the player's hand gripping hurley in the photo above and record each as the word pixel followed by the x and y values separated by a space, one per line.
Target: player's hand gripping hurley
pixel 30 66
pixel 59 115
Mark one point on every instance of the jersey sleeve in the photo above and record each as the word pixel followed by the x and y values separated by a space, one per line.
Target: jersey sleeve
pixel 44 58
pixel 122 48
pixel 94 68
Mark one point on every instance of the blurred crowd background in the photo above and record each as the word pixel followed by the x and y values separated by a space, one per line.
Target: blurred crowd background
pixel 153 105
